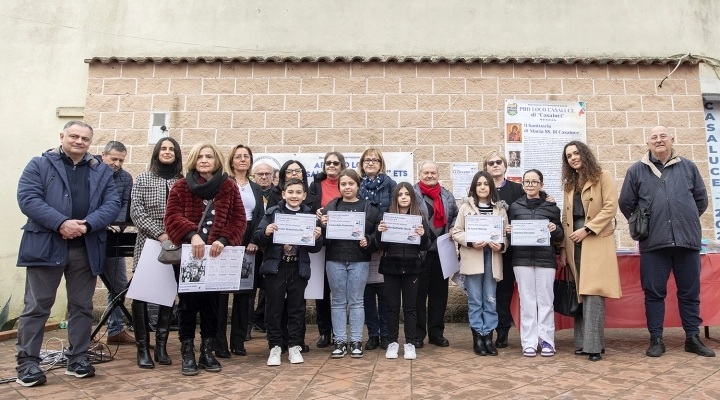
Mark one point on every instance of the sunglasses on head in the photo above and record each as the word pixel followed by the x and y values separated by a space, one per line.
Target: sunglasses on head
pixel 494 162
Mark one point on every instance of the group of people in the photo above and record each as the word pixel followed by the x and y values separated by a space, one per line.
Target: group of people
pixel 72 200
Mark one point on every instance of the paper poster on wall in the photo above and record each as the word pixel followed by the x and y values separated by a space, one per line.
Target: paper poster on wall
pixel 398 165
pixel 535 134
pixel 712 114
pixel 462 174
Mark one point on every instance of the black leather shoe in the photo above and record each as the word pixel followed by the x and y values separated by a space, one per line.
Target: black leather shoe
pixel 304 348
pixel 324 341
pixel 206 359
pixel 189 366
pixel 419 344
pixel 580 352
pixel 239 351
pixel 248 334
pixel 694 345
pixel 479 345
pixel 594 357
pixel 372 343
pixel 384 342
pixel 657 347
pixel 491 350
pixel 222 354
pixel 439 341
pixel 502 340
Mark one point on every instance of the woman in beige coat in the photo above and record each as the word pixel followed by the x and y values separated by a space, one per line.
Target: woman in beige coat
pixel 590 203
pixel 481 261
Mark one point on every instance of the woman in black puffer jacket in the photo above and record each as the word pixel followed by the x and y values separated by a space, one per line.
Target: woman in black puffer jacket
pixel 534 268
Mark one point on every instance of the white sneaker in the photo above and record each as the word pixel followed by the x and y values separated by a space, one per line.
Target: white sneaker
pixel 392 350
pixel 409 351
pixel 274 358
pixel 294 355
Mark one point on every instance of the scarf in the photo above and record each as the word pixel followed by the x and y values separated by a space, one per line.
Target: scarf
pixel 439 219
pixel 368 187
pixel 206 190
pixel 166 171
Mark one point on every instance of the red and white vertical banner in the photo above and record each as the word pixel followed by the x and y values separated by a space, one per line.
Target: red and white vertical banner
pixel 712 114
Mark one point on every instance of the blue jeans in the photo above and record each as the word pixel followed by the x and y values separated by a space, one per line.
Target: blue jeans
pixel 481 288
pixel 376 315
pixel 655 267
pixel 347 284
pixel 116 274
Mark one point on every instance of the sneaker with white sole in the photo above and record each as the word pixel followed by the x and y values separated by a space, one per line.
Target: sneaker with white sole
pixel 31 375
pixel 356 350
pixel 294 355
pixel 392 350
pixel 80 369
pixel 274 358
pixel 529 352
pixel 547 349
pixel 340 350
pixel 409 352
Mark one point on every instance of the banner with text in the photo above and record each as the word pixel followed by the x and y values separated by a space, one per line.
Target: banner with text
pixel 712 114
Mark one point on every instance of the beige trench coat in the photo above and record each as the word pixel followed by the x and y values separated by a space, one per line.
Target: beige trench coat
pixel 599 275
pixel 472 261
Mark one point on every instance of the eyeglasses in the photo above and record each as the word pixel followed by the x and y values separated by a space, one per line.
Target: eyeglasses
pixel 263 174
pixel 662 137
pixel 293 171
pixel 241 156
pixel 494 162
pixel 371 161
pixel 532 183
pixel 334 163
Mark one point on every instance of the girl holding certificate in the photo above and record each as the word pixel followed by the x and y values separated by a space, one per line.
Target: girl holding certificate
pixel 534 266
pixel 591 203
pixel 481 260
pixel 347 261
pixel 401 265
pixel 286 269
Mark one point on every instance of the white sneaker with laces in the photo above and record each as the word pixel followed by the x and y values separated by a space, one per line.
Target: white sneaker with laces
pixel 294 355
pixel 409 351
pixel 274 358
pixel 392 350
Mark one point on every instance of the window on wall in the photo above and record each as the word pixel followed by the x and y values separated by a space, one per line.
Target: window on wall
pixel 158 127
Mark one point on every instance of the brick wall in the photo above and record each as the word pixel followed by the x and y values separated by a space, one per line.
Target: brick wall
pixel 444 112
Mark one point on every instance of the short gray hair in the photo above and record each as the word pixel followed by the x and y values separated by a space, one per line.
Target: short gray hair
pixel 114 145
pixel 79 123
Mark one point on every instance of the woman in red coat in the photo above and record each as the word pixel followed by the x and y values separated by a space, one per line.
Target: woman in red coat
pixel 224 225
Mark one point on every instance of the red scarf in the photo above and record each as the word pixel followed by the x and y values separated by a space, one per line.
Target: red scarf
pixel 439 219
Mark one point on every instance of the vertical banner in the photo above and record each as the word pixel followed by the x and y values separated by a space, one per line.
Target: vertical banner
pixel 535 134
pixel 712 113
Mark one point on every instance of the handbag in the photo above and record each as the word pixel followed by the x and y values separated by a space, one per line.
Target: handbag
pixel 566 298
pixel 639 221
pixel 169 252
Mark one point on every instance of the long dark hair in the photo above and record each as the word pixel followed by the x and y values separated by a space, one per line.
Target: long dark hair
pixel 281 176
pixel 493 196
pixel 156 165
pixel 590 172
pixel 395 208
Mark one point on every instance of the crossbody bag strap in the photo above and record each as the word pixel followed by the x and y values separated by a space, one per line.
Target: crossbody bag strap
pixel 202 219
pixel 663 175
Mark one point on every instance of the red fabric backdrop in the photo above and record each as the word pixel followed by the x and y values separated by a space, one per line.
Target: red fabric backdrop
pixel 629 310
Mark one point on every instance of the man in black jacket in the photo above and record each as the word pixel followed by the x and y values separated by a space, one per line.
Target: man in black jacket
pixel 674 240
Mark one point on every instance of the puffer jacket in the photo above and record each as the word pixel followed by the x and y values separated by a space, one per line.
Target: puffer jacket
pixel 404 259
pixel 472 260
pixel 383 194
pixel 43 196
pixel 273 252
pixel 536 256
pixel 676 210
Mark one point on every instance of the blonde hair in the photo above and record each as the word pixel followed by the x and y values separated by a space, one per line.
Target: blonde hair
pixel 381 168
pixel 494 154
pixel 195 153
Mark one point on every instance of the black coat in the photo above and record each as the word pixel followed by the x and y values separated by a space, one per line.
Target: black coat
pixel 404 259
pixel 536 256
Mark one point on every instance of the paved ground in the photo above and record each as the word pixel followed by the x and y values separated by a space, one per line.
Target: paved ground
pixel 437 373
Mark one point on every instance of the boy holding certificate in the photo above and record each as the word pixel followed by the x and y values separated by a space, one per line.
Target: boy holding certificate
pixel 286 268
pixel 480 231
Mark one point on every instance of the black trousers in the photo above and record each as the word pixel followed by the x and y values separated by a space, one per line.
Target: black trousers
pixel 504 293
pixel 323 309
pixel 395 287
pixel 239 320
pixel 205 303
pixel 433 288
pixel 287 284
pixel 259 314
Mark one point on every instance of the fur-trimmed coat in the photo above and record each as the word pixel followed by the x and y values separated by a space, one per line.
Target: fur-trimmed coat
pixel 184 210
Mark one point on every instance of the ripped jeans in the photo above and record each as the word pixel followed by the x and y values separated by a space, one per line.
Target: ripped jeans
pixel 482 311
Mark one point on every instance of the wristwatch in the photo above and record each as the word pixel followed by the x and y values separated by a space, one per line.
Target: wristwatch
pixel 588 230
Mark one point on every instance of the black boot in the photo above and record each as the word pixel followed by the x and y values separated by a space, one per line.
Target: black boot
pixel 478 344
pixel 187 349
pixel 142 334
pixel 207 360
pixel 489 344
pixel 161 335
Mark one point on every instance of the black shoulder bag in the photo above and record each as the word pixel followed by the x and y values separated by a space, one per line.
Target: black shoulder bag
pixel 639 221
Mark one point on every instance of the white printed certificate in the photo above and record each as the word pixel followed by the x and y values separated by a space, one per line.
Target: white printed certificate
pixel 213 274
pixel 401 228
pixel 345 225
pixel 530 232
pixel 298 229
pixel 484 228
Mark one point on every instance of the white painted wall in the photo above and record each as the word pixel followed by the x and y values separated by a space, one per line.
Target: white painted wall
pixel 44 43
